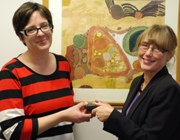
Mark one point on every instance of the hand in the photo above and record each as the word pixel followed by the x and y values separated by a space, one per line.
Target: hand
pixel 78 113
pixel 103 110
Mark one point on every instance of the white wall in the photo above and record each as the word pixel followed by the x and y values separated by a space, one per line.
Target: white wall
pixel 10 46
pixel 93 130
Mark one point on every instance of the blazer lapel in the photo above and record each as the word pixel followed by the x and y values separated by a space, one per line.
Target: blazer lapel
pixel 132 95
pixel 138 101
pixel 152 83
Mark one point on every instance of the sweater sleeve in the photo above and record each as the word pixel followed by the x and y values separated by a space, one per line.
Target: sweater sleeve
pixel 13 121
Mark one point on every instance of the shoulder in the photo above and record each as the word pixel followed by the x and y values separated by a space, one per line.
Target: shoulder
pixel 10 65
pixel 166 90
pixel 62 62
pixel 59 57
pixel 168 82
pixel 137 80
pixel 8 70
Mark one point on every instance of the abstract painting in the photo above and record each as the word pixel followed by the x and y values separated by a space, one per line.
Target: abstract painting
pixel 99 37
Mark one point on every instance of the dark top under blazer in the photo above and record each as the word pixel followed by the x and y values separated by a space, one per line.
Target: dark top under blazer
pixel 154 116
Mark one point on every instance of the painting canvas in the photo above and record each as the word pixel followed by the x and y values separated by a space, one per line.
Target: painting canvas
pixel 122 21
pixel 99 36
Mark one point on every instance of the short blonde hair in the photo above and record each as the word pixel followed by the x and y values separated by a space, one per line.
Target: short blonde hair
pixel 161 35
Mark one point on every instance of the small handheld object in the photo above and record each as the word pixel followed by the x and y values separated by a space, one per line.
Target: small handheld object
pixel 91 106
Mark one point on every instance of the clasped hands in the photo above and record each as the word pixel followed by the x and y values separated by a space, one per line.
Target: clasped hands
pixel 102 111
pixel 79 113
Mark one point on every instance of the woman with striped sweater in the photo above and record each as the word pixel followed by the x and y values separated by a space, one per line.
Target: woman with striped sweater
pixel 36 93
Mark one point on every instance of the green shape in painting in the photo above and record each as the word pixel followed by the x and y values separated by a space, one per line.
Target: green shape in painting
pixel 78 40
pixel 129 40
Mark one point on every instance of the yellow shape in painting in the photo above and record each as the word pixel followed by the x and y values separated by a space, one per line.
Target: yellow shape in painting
pixel 66 2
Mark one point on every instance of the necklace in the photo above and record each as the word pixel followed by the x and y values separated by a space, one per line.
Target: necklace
pixel 143 85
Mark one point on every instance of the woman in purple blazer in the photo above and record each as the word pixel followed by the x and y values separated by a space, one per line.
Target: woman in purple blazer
pixel 152 108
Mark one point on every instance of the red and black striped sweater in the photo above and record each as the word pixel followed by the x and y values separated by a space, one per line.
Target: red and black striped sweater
pixel 26 95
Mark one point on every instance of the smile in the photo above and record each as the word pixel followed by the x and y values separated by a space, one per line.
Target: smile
pixel 148 61
pixel 42 41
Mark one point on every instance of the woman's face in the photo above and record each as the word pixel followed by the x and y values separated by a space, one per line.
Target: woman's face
pixel 41 41
pixel 151 60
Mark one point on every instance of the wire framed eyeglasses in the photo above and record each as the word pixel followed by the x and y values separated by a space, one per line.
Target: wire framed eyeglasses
pixel 144 47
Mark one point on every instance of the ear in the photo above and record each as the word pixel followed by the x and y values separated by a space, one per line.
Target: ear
pixel 21 38
pixel 170 55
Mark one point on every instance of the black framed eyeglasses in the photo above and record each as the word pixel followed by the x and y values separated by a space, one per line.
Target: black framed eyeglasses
pixel 33 31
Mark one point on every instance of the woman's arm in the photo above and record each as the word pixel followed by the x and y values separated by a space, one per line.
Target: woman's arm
pixel 76 114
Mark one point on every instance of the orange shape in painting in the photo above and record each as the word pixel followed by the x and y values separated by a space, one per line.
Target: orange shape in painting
pixel 79 73
pixel 137 66
pixel 106 57
pixel 138 15
pixel 101 43
pixel 99 62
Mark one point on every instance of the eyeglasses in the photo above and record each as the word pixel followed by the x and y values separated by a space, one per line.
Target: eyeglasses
pixel 144 47
pixel 33 31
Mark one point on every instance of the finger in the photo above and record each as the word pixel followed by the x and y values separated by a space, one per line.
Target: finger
pixel 93 112
pixel 82 104
pixel 96 101
pixel 100 103
pixel 86 102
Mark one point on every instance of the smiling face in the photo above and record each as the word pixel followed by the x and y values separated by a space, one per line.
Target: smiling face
pixel 156 46
pixel 40 41
pixel 150 61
